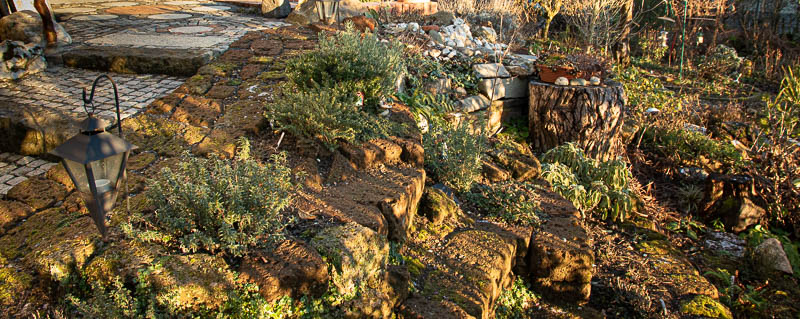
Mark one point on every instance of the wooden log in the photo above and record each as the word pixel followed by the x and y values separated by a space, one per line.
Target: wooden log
pixel 590 116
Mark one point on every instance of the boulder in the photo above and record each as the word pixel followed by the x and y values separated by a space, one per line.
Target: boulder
pixel 438 206
pixel 291 269
pixel 769 256
pixel 436 36
pixel 20 59
pixel 487 33
pixel 277 9
pixel 26 26
pixel 725 243
pixel 306 12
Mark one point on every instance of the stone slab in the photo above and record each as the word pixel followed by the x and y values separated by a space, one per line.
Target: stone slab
pixel 157 40
pixel 169 16
pixel 95 17
pixel 180 62
pixel 143 10
pixel 510 88
pixel 491 70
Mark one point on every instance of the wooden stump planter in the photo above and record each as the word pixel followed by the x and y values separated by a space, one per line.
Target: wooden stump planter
pixel 590 116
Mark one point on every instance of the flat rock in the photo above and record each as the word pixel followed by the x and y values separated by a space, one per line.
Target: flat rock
pixel 504 88
pixel 12 212
pixel 491 70
pixel 474 103
pixel 180 62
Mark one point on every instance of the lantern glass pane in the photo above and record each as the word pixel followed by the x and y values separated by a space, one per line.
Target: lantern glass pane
pixel 106 173
pixel 78 174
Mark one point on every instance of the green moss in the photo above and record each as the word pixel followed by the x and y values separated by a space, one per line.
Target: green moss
pixel 707 307
pixel 656 247
pixel 271 75
pixel 12 283
pixel 261 59
pixel 415 266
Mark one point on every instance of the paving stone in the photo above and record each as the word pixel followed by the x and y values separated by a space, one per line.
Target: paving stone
pixel 25 160
pixel 191 29
pixel 143 10
pixel 6 178
pixel 16 180
pixel 162 40
pixel 169 16
pixel 95 17
pixel 74 10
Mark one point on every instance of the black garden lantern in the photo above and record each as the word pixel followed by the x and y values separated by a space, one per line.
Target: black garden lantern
pixel 95 159
pixel 328 11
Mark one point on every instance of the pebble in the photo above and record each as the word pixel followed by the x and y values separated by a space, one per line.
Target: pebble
pixel 446 51
pixel 451 43
pixel 562 81
pixel 452 54
pixel 435 53
pixel 652 110
pixel 460 43
pixel 577 82
pixel 413 27
pixel 594 80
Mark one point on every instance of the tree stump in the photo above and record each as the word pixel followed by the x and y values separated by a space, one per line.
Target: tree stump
pixel 590 116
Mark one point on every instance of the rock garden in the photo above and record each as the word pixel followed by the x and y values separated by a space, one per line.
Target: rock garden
pixel 427 160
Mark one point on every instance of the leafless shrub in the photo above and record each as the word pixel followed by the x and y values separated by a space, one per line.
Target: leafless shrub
pixel 598 21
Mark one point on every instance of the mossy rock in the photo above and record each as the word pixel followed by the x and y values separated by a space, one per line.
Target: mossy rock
pixel 706 307
pixel 261 59
pixel 59 174
pixel 438 206
pixel 219 142
pixel 151 133
pixel 272 76
pixel 191 282
pixel 13 283
pixel 356 253
pixel 141 161
pixel 38 192
pixel 12 212
pixel 198 84
pixel 221 69
pixel 658 247
pixel 52 243
pixel 123 259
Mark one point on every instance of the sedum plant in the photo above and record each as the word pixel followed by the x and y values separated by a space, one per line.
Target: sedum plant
pixel 217 205
pixel 592 186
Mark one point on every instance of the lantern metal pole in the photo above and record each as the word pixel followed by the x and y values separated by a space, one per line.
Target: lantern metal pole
pixel 118 125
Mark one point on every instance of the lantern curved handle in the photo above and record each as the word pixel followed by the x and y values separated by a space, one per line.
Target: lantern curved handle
pixel 89 101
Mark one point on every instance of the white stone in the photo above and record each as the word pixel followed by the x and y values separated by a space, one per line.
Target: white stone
pixel 562 81
pixel 75 10
pixel 413 26
pixel 451 43
pixel 435 53
pixel 446 51
pixel 402 26
pixel 458 21
pixel 478 42
pixel 474 103
pixel 210 8
pixel 95 17
pixel 191 29
pixel 652 110
pixel 169 16
pixel 577 82
pixel 491 70
pixel 459 43
pixel 504 88
pixel 452 54
pixel 594 80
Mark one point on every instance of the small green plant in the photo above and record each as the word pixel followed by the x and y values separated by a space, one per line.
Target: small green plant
pixel 329 115
pixel 351 62
pixel 216 205
pixel 687 226
pixel 516 302
pixel 512 202
pixel 592 186
pixel 689 197
pixel 735 294
pixel 453 153
pixel 114 301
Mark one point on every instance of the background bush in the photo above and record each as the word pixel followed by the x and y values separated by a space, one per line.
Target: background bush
pixel 217 205
pixel 352 62
pixel 453 154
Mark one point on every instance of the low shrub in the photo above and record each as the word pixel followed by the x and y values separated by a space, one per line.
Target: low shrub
pixel 511 202
pixel 351 61
pixel 721 61
pixel 592 186
pixel 517 302
pixel 217 205
pixel 329 115
pixel 453 154
pixel 690 148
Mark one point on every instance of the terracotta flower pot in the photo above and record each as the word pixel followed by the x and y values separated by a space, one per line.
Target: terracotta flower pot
pixel 549 74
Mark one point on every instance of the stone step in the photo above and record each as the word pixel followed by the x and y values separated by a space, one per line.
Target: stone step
pixel 175 62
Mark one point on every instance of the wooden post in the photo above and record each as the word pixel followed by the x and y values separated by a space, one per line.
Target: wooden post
pixel 49 27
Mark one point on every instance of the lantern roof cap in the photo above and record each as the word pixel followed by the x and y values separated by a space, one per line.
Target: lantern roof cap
pixel 93 124
pixel 85 148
